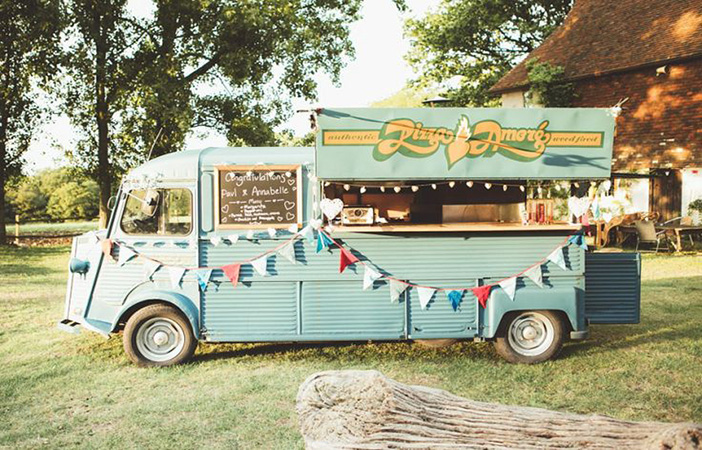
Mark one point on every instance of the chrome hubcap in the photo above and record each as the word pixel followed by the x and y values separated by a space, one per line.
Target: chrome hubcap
pixel 531 334
pixel 160 339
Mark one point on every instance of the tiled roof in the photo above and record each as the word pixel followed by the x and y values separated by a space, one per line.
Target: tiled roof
pixel 604 36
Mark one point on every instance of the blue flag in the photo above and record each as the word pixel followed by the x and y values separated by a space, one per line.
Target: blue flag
pixel 455 298
pixel 579 240
pixel 203 277
pixel 323 241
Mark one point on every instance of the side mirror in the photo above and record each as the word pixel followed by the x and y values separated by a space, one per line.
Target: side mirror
pixel 150 202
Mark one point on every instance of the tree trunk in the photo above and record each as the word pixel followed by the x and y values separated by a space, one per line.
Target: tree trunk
pixel 3 173
pixel 104 175
pixel 366 410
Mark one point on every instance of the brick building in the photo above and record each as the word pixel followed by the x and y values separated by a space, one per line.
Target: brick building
pixel 649 52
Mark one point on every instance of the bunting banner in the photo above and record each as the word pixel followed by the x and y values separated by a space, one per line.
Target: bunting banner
pixel 307 233
pixel 534 274
pixel 233 238
pixel 425 296
pixel 509 285
pixel 557 258
pixel 482 293
pixel 125 254
pixel 287 251
pixel 396 289
pixel 272 232
pixel 260 265
pixel 346 258
pixel 323 241
pixel 150 268
pixel 232 272
pixel 216 240
pixel 176 274
pixel 370 275
pixel 455 297
pixel 203 277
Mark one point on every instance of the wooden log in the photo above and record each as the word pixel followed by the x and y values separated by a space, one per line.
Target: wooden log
pixel 356 409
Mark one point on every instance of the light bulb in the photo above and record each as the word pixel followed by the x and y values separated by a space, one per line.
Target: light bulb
pixel 540 190
pixel 504 188
pixel 288 174
pixel 363 189
pixel 249 173
pixel 576 184
pixel 488 185
pixel 415 188
pixel 452 184
pixel 433 186
pixel 397 189
pixel 326 183
pixel 469 184
pixel 382 188
pixel 558 187
pixel 521 188
pixel 347 187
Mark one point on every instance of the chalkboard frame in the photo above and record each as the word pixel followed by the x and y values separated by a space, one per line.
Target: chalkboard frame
pixel 296 168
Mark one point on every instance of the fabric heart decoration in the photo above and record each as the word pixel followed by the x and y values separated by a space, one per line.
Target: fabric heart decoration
pixel 331 207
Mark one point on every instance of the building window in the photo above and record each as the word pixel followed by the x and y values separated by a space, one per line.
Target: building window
pixel 158 212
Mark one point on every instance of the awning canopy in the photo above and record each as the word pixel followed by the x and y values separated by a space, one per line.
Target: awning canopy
pixel 464 143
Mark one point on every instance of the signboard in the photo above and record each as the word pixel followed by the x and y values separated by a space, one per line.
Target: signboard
pixel 463 143
pixel 258 196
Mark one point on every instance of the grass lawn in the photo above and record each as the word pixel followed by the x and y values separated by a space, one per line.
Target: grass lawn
pixel 60 390
pixel 51 227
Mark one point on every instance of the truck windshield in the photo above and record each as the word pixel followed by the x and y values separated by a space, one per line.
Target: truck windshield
pixel 158 212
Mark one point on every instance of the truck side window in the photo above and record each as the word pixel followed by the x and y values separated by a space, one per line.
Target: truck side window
pixel 158 212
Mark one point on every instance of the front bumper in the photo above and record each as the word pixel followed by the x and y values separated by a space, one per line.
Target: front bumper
pixel 579 335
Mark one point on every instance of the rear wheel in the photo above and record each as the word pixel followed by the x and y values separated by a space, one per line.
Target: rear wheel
pixel 530 337
pixel 158 335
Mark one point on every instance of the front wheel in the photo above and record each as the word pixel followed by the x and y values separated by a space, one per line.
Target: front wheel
pixel 158 335
pixel 530 337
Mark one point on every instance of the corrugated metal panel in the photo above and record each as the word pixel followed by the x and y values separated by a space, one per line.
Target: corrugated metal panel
pixel 613 287
pixel 250 312
pixel 343 309
pixel 439 319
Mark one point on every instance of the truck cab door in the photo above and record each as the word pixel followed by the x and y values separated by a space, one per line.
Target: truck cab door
pixel 613 287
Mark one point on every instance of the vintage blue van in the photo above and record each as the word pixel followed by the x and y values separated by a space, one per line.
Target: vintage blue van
pixel 386 230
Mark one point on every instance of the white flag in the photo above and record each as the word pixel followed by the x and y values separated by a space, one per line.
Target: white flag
pixel 260 265
pixel 233 238
pixel 293 228
pixel 150 267
pixel 216 240
pixel 287 251
pixel 176 274
pixel 425 295
pixel 557 258
pixel 250 235
pixel 369 277
pixel 272 232
pixel 509 286
pixel 125 254
pixel 307 233
pixel 535 275
pixel 396 289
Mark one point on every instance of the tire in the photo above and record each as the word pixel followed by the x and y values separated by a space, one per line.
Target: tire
pixel 530 337
pixel 435 343
pixel 146 330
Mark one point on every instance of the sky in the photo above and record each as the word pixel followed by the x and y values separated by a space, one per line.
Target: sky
pixel 378 71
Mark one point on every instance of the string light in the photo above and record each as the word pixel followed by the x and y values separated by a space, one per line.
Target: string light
pixel 288 174
pixel 504 188
pixel 522 188
pixel 363 189
pixel 382 188
pixel 397 189
pixel 347 187
pixel 452 184
pixel 469 184
pixel 433 186
pixel 558 187
pixel 415 188
pixel 326 184
pixel 488 185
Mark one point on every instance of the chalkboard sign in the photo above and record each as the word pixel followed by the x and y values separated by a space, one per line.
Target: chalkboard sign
pixel 258 196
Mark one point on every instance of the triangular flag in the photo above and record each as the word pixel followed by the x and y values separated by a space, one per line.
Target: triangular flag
pixel 203 277
pixel 176 274
pixel 216 240
pixel 323 241
pixel 369 277
pixel 293 228
pixel 272 232
pixel 250 235
pixel 260 265
pixel 233 238
pixel 346 258
pixel 425 295
pixel 455 297
pixel 509 286
pixel 557 258
pixel 482 293
pixel 396 289
pixel 534 274
pixel 287 251
pixel 307 233
pixel 150 268
pixel 125 254
pixel 579 240
pixel 232 272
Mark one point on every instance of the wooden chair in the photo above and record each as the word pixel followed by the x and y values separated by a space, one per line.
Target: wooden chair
pixel 646 234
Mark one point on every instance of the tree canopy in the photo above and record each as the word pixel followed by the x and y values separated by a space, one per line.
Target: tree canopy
pixel 466 46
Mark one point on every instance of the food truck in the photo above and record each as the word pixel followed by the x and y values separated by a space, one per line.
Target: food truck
pixel 401 224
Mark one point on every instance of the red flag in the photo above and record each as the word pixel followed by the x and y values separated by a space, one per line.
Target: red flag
pixel 346 258
pixel 232 272
pixel 482 293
